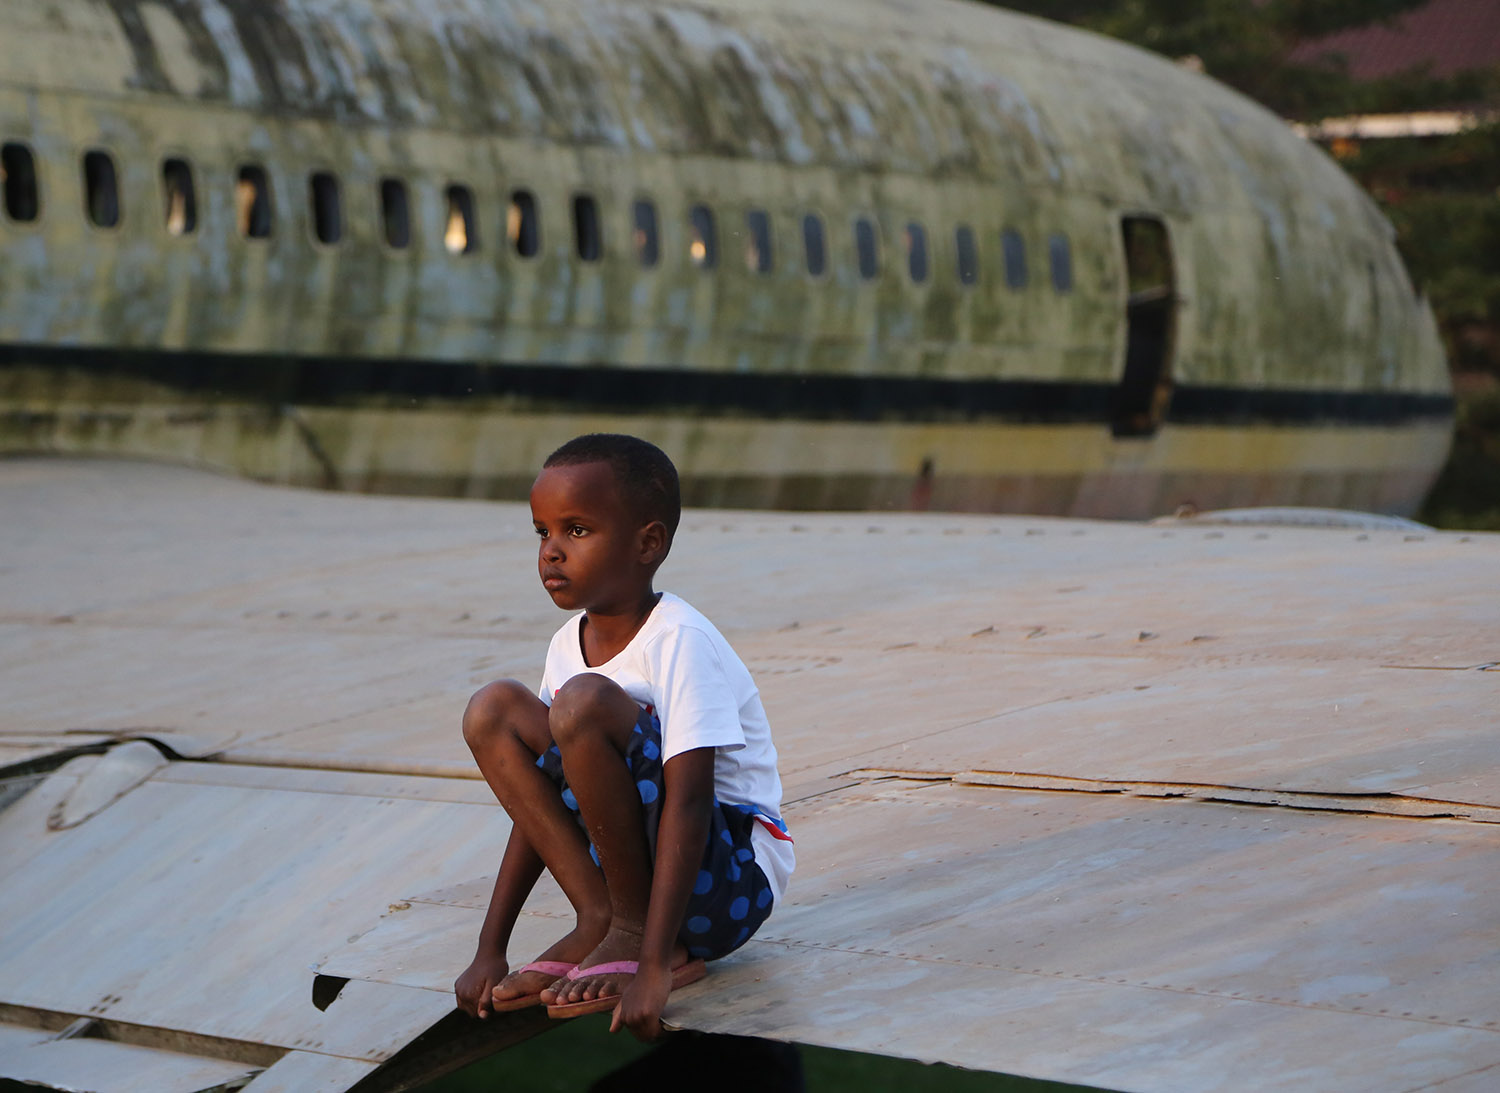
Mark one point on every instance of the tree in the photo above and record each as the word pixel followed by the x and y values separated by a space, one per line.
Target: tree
pixel 1245 44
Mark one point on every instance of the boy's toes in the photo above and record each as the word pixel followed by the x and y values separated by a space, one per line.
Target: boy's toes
pixel 525 983
pixel 583 990
pixel 564 991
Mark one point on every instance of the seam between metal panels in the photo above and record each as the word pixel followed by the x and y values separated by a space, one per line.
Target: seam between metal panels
pixel 236 754
pixel 323 764
pixel 270 620
pixel 1115 981
pixel 1438 1085
pixel 157 1038
pixel 1395 805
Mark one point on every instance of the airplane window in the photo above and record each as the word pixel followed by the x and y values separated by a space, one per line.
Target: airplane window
pixel 18 175
pixel 101 190
pixel 866 248
pixel 523 224
pixel 1062 262
pixel 968 254
pixel 703 247
pixel 586 228
pixel 181 201
pixel 758 257
pixel 461 236
pixel 916 251
pixel 812 243
pixel 252 196
pixel 328 224
pixel 395 213
pixel 1014 248
pixel 647 242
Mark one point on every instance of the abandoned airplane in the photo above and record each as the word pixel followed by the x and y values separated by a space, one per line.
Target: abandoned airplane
pixel 1186 806
pixel 857 255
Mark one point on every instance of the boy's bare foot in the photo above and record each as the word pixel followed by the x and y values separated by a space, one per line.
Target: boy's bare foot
pixel 620 943
pixel 528 981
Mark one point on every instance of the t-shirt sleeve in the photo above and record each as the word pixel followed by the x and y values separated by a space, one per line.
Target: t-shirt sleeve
pixel 695 697
pixel 554 672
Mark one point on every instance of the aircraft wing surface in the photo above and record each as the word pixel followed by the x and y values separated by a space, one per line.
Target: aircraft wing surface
pixel 1142 807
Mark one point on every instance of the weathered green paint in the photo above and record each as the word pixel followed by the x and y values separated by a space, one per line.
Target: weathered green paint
pixel 936 112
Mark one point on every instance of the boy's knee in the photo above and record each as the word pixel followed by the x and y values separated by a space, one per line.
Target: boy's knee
pixel 489 710
pixel 589 702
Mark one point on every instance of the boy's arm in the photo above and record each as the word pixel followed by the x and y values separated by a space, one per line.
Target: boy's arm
pixel 688 781
pixel 520 867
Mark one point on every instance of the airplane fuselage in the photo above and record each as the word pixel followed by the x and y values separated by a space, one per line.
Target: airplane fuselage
pixel 930 255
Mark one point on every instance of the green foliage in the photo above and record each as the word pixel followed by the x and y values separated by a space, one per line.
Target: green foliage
pixel 1314 18
pixel 1246 45
pixel 1412 90
pixel 1305 18
pixel 1452 247
pixel 1440 193
pixel 1467 493
pixel 1467 163
pixel 577 1053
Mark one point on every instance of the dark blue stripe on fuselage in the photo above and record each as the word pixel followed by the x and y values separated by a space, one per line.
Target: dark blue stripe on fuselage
pixel 334 381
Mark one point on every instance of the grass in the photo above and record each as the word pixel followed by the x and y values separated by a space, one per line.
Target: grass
pixel 571 1057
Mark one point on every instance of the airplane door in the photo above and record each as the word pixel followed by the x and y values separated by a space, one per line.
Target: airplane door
pixel 1139 402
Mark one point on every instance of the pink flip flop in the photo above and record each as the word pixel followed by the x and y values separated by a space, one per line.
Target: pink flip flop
pixel 690 972
pixel 557 969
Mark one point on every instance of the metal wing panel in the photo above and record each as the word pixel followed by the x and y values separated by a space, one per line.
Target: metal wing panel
pixel 426 945
pixel 1285 905
pixel 309 1072
pixel 1332 729
pixel 907 704
pixel 176 907
pixel 218 699
pixel 1103 1036
pixel 1098 937
pixel 1062 932
pixel 100 1066
pixel 15 1037
pixel 1065 932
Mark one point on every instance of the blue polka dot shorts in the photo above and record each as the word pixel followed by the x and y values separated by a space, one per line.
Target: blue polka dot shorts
pixel 731 897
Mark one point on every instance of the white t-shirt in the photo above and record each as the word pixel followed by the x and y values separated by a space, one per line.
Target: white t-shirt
pixel 702 692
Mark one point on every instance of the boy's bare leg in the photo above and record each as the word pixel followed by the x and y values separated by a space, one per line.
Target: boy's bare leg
pixel 592 719
pixel 519 871
pixel 506 727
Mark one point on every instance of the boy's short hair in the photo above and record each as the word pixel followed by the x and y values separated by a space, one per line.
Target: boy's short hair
pixel 646 476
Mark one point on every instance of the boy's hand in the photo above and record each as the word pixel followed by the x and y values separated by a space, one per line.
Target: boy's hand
pixel 641 1003
pixel 473 987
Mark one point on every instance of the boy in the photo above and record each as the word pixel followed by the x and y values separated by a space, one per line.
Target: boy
pixel 643 777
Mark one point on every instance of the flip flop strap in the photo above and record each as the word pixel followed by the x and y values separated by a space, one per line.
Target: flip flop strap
pixel 613 967
pixel 556 968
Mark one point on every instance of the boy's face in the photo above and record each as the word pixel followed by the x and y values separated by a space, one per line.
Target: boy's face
pixel 594 553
